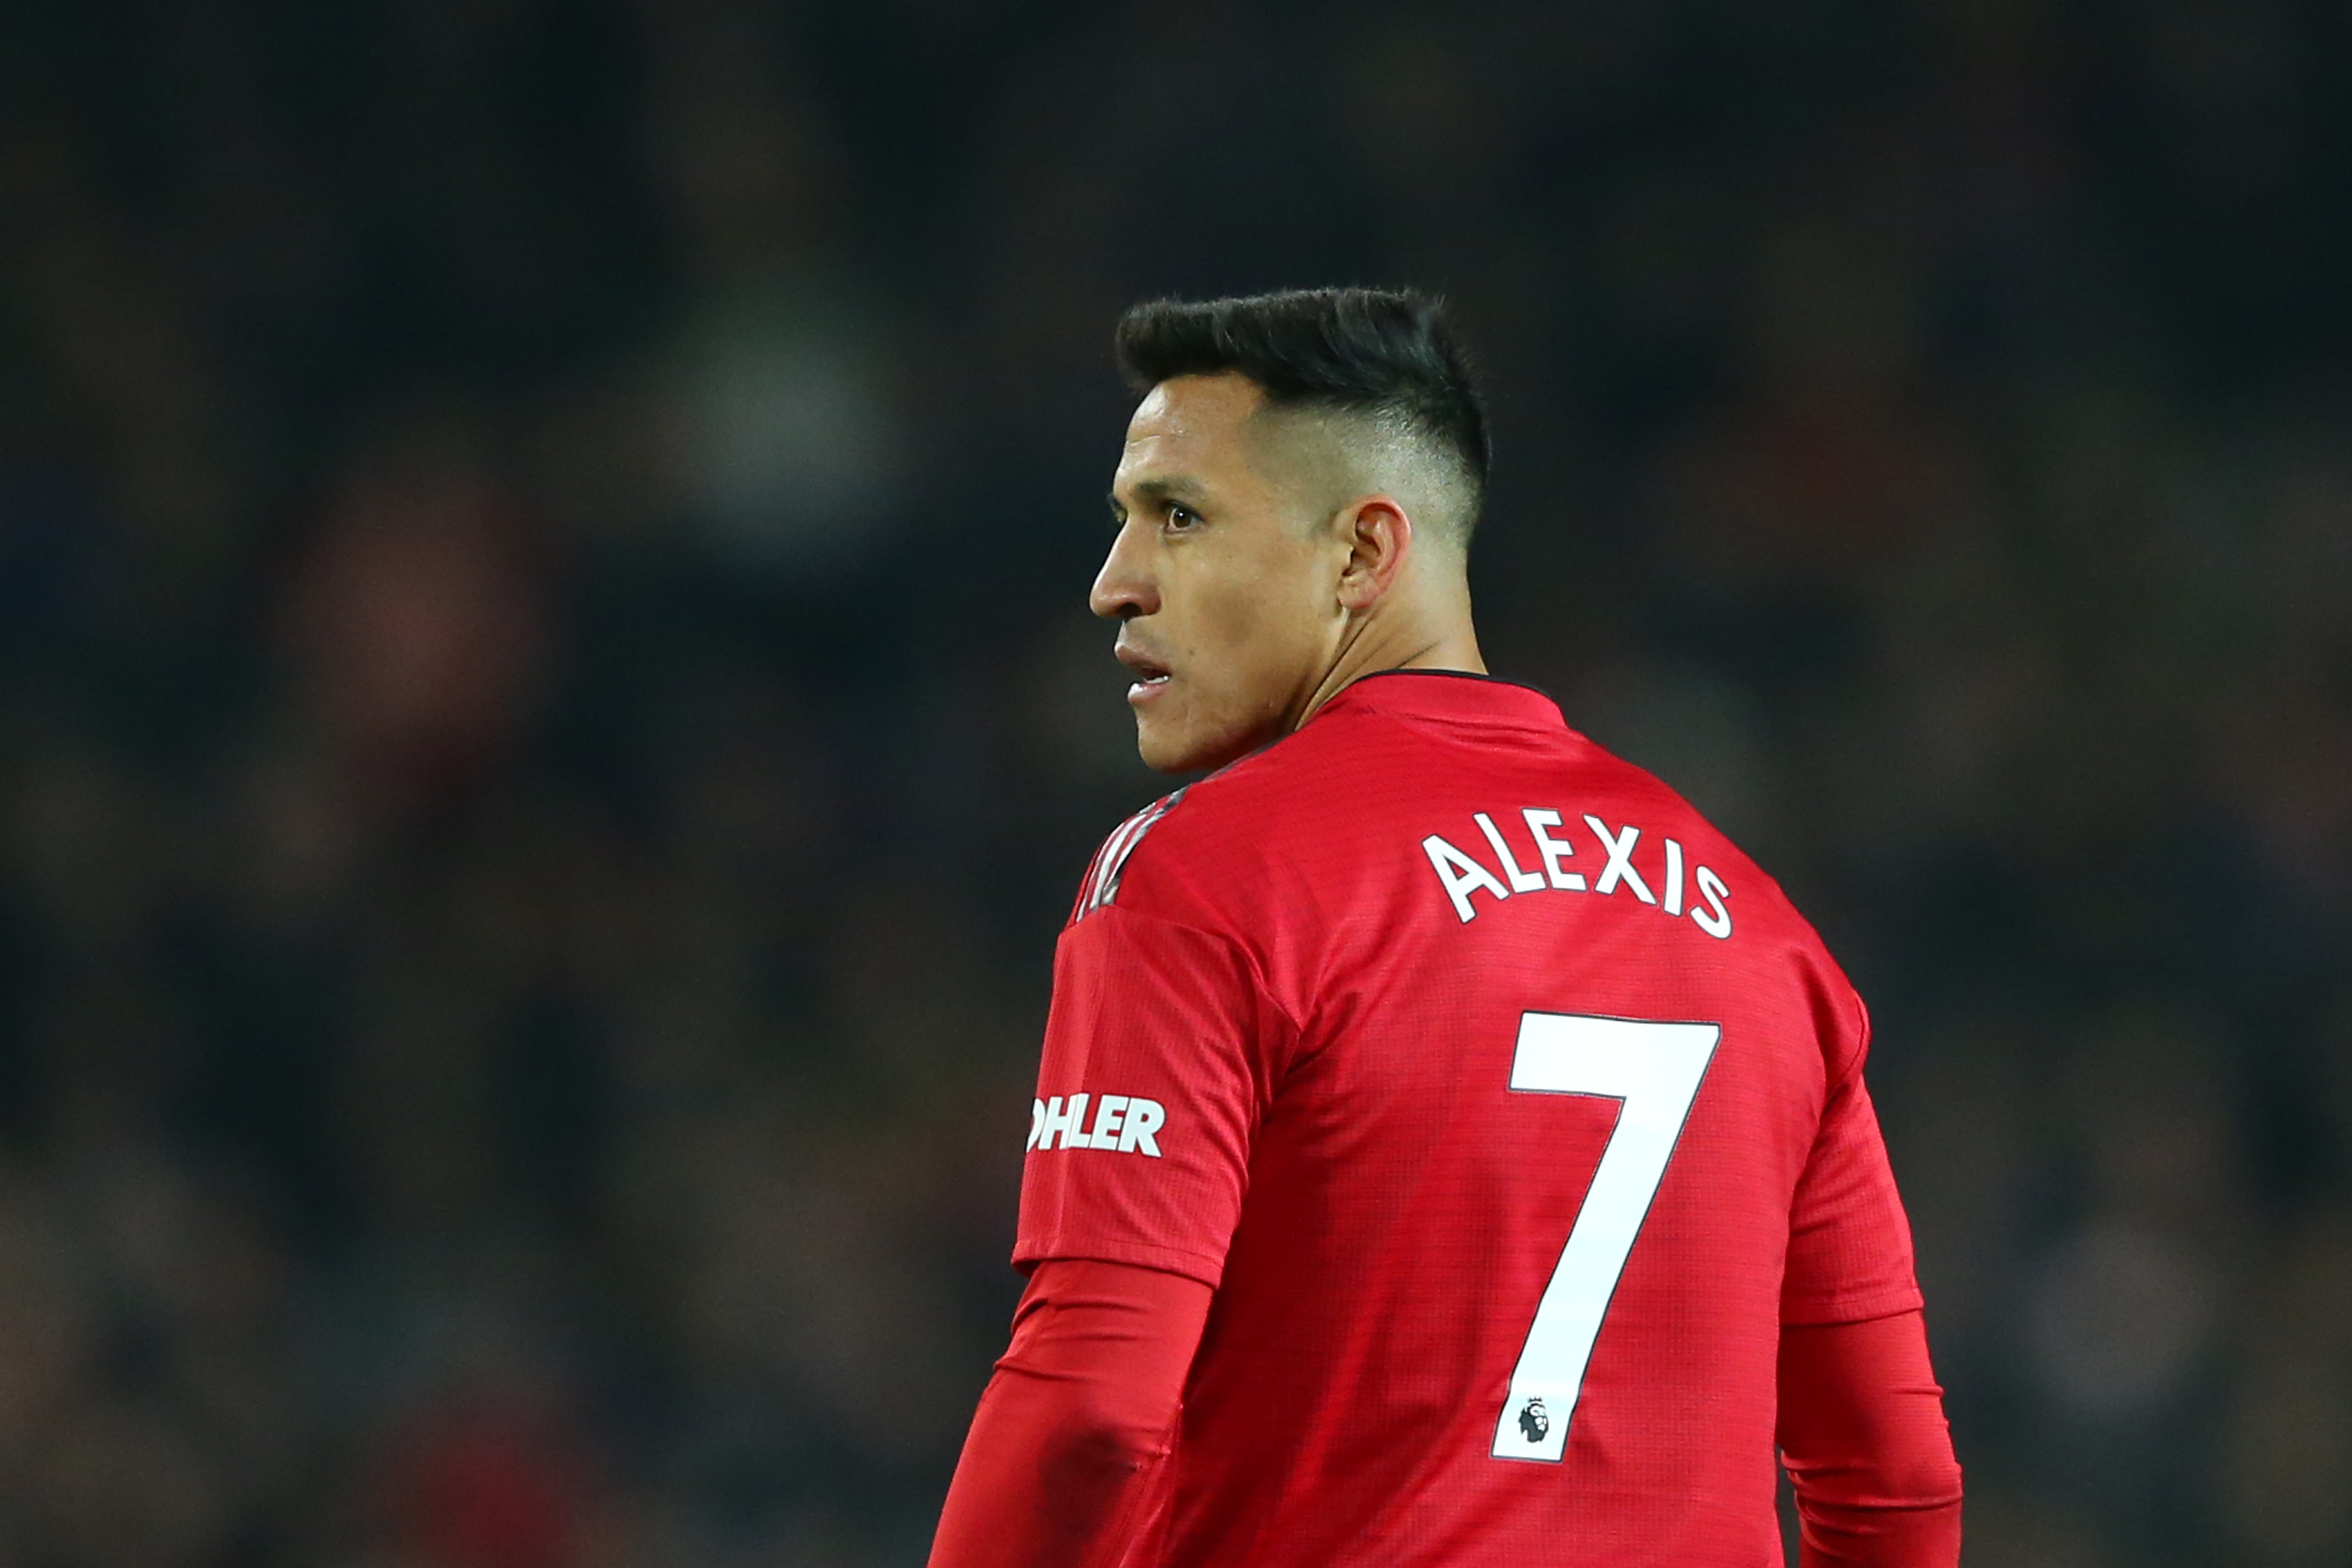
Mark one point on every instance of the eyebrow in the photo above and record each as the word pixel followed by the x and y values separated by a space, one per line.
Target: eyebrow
pixel 1182 491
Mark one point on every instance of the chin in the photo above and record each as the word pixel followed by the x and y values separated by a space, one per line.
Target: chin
pixel 1183 749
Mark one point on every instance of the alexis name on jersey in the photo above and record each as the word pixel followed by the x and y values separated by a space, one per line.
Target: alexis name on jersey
pixel 1462 874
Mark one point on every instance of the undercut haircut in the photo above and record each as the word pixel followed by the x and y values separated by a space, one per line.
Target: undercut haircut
pixel 1390 355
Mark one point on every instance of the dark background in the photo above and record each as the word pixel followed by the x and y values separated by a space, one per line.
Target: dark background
pixel 547 719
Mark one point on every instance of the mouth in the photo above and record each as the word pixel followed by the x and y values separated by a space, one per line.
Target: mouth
pixel 1152 677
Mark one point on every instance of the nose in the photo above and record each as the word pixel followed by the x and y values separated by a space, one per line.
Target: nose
pixel 1125 587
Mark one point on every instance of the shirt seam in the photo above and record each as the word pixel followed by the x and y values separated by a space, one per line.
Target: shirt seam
pixel 1208 1268
pixel 1888 1301
pixel 1249 957
pixel 1372 702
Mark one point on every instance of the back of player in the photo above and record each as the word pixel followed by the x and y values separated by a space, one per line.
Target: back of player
pixel 1448 1150
pixel 1509 1111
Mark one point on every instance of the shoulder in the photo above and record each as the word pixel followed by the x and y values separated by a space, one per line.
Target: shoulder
pixel 1200 854
pixel 1632 814
pixel 1099 888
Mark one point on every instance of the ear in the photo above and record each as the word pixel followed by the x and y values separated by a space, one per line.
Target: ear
pixel 1377 534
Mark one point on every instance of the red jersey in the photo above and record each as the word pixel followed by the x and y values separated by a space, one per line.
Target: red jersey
pixel 1508 1109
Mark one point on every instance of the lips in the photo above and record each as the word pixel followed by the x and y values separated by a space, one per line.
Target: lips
pixel 1149 673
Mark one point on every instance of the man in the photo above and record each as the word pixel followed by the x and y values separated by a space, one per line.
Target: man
pixel 1449 1149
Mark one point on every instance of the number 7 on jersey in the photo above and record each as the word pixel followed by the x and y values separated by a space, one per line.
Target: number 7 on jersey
pixel 1654 1069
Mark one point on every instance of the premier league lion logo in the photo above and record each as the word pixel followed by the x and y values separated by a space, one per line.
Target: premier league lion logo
pixel 1534 1420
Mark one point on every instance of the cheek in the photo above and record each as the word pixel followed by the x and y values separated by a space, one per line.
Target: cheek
pixel 1258 636
pixel 1232 624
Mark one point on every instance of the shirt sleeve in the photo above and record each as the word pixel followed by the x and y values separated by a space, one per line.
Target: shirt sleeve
pixel 1862 1432
pixel 1158 1062
pixel 1065 1462
pixel 1849 1240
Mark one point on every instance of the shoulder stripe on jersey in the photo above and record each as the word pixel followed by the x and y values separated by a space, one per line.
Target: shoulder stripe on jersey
pixel 1094 872
pixel 1101 885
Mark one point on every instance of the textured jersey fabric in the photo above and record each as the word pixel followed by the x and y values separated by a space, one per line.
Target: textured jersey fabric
pixel 1863 1436
pixel 1289 1012
pixel 1066 1460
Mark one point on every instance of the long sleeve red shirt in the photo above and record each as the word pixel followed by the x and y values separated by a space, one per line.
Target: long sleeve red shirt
pixel 1066 1458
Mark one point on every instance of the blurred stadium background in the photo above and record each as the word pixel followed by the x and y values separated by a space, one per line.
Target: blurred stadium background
pixel 547 719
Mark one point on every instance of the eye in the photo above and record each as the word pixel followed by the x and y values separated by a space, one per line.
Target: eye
pixel 1181 517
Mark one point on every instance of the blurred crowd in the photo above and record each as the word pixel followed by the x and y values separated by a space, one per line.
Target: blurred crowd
pixel 548 719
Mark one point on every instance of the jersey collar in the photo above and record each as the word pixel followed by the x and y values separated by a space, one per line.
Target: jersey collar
pixel 1448 695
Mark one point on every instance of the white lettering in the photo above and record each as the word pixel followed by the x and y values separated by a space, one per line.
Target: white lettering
pixel 1711 889
pixel 1122 1122
pixel 1684 885
pixel 1521 881
pixel 1553 850
pixel 1068 1123
pixel 1144 1116
pixel 1465 877
pixel 1107 1111
pixel 1621 861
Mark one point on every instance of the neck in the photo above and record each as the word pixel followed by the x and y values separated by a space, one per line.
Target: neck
pixel 1369 647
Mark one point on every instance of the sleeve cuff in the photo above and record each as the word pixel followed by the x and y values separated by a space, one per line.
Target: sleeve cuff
pixel 1857 1307
pixel 1207 1268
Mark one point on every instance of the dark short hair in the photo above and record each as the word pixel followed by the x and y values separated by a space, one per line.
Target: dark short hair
pixel 1373 350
